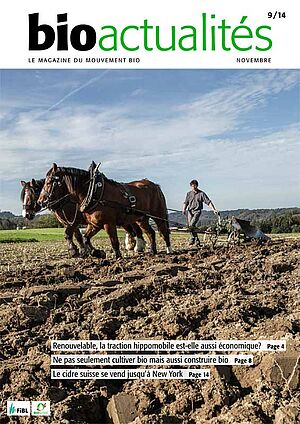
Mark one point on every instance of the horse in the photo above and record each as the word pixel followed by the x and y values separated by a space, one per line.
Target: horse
pixel 65 212
pixel 114 206
pixel 68 214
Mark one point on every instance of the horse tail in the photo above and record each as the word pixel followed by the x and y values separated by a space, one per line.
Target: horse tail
pixel 164 212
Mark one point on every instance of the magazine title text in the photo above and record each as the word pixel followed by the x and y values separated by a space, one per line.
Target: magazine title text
pixel 212 34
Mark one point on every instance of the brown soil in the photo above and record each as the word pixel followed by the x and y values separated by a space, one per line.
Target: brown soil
pixel 244 292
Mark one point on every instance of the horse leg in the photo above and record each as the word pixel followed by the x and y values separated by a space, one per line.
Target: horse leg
pixel 82 246
pixel 146 227
pixel 73 251
pixel 140 242
pixel 88 248
pixel 112 233
pixel 164 231
pixel 130 241
pixel 79 238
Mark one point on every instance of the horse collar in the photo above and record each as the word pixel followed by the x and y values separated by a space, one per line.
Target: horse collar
pixel 95 191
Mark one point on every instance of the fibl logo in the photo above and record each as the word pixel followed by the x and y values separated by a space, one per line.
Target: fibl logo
pixel 18 408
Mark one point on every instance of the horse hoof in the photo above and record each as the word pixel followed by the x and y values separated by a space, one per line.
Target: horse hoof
pixel 118 254
pixel 98 253
pixel 140 245
pixel 73 253
pixel 83 253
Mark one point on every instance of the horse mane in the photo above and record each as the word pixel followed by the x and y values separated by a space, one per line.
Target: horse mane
pixel 22 194
pixel 110 180
pixel 70 176
pixel 73 171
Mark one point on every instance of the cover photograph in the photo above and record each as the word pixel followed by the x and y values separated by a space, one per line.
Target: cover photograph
pixel 149 212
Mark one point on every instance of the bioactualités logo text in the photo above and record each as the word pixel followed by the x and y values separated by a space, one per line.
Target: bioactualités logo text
pixel 212 33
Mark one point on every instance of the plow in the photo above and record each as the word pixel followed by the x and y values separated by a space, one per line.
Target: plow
pixel 231 231
pixel 235 231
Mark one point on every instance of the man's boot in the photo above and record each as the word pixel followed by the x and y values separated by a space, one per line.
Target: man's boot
pixel 192 241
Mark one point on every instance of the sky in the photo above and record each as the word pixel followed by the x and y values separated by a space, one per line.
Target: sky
pixel 235 131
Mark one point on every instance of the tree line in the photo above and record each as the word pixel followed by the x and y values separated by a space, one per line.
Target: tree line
pixel 41 221
pixel 288 222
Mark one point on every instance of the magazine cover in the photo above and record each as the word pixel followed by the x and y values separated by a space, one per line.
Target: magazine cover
pixel 149 212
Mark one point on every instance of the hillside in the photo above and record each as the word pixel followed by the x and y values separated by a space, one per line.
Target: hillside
pixel 10 221
pixel 7 215
pixel 253 215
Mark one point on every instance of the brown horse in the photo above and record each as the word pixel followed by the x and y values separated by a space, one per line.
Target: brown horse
pixel 67 213
pixel 113 208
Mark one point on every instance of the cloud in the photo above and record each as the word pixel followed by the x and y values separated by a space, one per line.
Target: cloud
pixel 222 108
pixel 193 139
pixel 73 92
pixel 138 92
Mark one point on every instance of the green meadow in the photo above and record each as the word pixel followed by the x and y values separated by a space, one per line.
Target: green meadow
pixel 36 234
pixel 53 234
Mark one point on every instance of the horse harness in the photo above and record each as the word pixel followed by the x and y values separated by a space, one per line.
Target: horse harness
pixel 95 196
pixel 95 193
pixel 56 205
pixel 35 191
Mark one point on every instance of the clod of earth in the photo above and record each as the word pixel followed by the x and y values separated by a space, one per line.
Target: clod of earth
pixel 244 292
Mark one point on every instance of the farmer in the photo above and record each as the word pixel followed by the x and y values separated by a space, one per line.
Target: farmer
pixel 192 208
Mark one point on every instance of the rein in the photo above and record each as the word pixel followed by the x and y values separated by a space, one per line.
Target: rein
pixel 93 184
pixel 57 201
pixel 54 202
pixel 129 209
pixel 84 205
pixel 75 216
